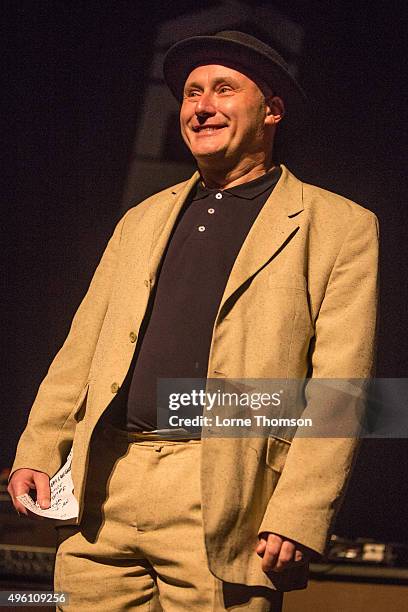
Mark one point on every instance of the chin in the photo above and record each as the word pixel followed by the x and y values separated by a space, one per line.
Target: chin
pixel 204 153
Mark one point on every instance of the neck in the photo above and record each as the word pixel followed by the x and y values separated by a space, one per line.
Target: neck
pixel 215 178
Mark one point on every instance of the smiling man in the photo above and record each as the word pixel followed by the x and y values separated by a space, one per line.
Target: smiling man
pixel 241 272
pixel 228 123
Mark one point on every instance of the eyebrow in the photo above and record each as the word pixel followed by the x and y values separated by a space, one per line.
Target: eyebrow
pixel 216 81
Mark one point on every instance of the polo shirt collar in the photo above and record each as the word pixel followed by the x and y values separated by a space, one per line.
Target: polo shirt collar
pixel 247 191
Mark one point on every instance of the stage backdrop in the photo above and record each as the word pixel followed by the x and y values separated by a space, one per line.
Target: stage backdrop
pixel 92 130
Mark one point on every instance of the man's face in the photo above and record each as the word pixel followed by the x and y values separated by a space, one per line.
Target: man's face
pixel 223 116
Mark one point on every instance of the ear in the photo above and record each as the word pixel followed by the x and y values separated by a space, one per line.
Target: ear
pixel 275 110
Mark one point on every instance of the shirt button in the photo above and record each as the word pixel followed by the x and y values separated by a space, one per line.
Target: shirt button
pixel 211 211
pixel 133 336
pixel 201 228
pixel 114 387
pixel 146 282
pixel 218 196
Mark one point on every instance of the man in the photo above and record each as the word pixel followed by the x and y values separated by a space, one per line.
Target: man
pixel 241 272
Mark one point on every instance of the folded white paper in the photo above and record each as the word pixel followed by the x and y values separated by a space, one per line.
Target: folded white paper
pixel 63 503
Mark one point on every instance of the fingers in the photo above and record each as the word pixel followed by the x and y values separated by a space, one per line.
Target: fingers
pixel 20 483
pixel 260 549
pixel 278 554
pixel 24 480
pixel 19 507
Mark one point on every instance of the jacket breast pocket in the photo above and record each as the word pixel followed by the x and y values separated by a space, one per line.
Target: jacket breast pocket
pixel 289 292
pixel 287 280
pixel 276 452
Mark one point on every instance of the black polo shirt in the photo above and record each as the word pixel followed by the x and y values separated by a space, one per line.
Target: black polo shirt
pixel 177 329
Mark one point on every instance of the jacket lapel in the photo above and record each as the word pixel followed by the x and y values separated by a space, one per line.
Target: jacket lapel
pixel 276 222
pixel 165 221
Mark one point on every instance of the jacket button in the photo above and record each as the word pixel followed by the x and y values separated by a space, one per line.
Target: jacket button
pixel 133 336
pixel 114 387
pixel 146 282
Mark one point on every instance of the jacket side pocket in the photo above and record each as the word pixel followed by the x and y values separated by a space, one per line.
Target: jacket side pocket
pixel 276 453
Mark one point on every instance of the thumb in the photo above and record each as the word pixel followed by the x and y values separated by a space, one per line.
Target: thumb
pixel 42 485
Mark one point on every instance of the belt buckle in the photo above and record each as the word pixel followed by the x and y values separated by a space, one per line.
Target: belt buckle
pixel 170 434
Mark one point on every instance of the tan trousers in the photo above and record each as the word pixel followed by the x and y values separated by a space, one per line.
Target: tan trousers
pixel 140 544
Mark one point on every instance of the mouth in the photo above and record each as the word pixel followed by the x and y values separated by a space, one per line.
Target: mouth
pixel 207 129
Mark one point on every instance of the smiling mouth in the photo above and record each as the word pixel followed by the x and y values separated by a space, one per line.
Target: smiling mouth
pixel 207 129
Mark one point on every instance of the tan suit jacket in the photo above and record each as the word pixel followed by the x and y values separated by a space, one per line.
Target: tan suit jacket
pixel 300 300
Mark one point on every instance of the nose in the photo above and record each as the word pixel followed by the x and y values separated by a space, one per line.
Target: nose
pixel 205 106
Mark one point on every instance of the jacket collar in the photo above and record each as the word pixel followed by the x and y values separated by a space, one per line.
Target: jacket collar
pixel 276 223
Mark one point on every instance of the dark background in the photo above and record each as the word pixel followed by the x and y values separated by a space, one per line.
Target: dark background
pixel 74 83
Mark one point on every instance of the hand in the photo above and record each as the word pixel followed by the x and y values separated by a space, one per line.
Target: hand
pixel 25 479
pixel 278 553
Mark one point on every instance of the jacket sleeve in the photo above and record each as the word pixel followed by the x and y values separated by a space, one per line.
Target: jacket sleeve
pixel 305 501
pixel 50 428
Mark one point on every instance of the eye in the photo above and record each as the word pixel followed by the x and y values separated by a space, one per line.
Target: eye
pixel 225 89
pixel 192 93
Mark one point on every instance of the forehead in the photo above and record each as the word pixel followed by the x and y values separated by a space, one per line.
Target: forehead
pixel 214 72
